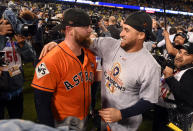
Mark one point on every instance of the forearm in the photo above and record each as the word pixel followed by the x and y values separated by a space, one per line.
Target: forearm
pixel 140 107
pixel 171 50
pixel 27 53
pixel 161 43
pixel 43 107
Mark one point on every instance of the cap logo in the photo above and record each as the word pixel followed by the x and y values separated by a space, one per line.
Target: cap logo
pixel 186 45
pixel 145 25
pixel 71 22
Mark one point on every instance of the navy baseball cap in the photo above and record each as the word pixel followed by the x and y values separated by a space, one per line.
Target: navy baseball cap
pixel 142 22
pixel 187 46
pixel 74 17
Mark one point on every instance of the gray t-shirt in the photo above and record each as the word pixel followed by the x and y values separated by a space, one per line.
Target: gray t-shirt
pixel 127 77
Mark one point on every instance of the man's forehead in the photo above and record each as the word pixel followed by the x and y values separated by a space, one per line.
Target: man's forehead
pixel 127 26
pixel 184 51
pixel 179 36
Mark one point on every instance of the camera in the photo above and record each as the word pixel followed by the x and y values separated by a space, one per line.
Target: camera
pixel 95 18
pixel 19 25
pixel 164 62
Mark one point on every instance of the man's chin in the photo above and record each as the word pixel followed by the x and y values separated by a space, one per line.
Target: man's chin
pixel 85 43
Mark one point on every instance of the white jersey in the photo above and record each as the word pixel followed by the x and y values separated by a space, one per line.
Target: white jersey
pixel 11 56
pixel 127 77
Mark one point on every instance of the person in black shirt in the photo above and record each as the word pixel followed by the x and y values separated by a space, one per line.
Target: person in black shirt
pixel 180 83
pixel 112 28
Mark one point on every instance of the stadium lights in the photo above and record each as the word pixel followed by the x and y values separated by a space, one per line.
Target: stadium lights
pixel 147 9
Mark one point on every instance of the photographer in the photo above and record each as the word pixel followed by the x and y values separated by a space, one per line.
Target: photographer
pixel 112 28
pixel 16 50
pixel 180 84
pixel 179 39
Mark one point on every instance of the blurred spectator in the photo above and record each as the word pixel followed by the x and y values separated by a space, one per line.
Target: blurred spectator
pixel 112 28
pixel 16 51
pixel 180 84
pixel 172 33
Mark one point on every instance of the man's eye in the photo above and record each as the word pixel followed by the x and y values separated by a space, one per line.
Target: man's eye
pixel 127 30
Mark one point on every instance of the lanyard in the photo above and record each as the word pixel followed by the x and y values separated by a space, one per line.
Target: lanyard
pixel 14 52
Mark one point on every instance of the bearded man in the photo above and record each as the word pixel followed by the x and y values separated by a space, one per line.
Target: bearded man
pixel 63 78
pixel 131 76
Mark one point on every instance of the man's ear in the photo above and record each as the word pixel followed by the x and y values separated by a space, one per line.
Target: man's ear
pixel 141 35
pixel 69 30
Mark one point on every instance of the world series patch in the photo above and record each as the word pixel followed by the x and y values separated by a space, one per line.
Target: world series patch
pixel 41 70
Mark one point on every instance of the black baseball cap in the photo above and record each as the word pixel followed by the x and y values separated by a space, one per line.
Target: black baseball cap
pixel 74 17
pixel 142 22
pixel 187 46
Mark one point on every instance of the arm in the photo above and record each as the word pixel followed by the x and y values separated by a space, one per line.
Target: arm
pixel 43 107
pixel 114 115
pixel 161 43
pixel 5 29
pixel 171 50
pixel 25 50
pixel 104 29
pixel 140 107
pixel 181 89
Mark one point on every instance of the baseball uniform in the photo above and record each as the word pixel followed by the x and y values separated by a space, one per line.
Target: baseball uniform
pixel 62 73
pixel 127 78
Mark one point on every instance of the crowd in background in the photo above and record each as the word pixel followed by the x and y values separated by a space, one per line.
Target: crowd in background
pixel 111 19
pixel 180 5
pixel 172 20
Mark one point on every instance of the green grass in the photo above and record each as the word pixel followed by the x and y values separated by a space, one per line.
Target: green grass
pixel 29 107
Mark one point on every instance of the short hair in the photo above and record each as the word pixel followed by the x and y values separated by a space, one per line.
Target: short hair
pixel 112 19
pixel 172 30
pixel 28 15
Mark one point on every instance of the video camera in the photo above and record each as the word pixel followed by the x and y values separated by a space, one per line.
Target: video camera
pixel 95 18
pixel 20 26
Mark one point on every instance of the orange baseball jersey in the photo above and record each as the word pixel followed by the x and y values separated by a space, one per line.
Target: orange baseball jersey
pixel 62 73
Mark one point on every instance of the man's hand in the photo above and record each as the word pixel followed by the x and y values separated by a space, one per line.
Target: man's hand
pixel 165 34
pixel 20 39
pixel 5 27
pixel 168 72
pixel 154 45
pixel 102 26
pixel 47 48
pixel 110 114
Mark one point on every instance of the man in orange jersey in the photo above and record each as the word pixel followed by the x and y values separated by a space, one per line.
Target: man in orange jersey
pixel 63 78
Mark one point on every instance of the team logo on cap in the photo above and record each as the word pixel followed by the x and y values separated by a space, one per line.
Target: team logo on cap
pixel 145 25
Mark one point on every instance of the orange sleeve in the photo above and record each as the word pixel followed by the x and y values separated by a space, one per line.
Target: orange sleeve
pixel 46 76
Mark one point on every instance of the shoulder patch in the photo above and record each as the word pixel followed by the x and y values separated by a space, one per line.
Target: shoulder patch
pixel 41 70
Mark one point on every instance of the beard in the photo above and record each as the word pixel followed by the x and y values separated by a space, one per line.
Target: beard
pixel 83 41
pixel 128 46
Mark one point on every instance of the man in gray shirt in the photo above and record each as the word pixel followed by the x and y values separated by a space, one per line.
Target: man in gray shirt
pixel 131 76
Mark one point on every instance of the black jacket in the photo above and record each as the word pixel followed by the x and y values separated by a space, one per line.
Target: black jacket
pixel 114 31
pixel 183 91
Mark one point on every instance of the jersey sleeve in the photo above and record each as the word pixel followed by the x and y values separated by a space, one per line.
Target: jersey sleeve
pixel 46 76
pixel 150 79
pixel 103 45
